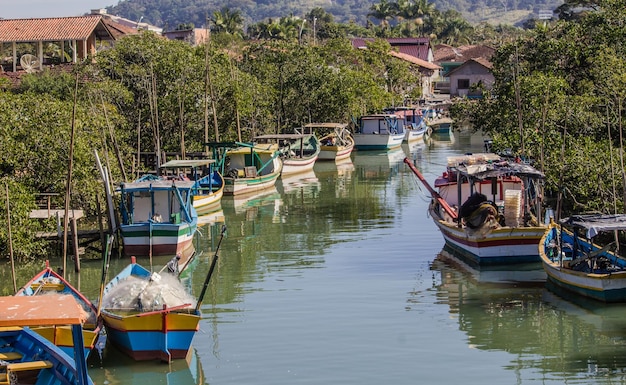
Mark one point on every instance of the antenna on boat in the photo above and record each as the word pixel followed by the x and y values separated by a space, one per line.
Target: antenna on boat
pixel 211 268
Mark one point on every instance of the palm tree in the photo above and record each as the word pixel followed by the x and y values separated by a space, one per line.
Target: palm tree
pixel 382 11
pixel 227 21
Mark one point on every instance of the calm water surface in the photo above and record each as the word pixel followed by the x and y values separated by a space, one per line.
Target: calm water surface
pixel 340 277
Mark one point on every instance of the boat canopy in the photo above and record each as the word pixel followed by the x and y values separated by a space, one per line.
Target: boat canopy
pixel 182 163
pixel 594 224
pixel 499 169
pixel 279 136
pixel 41 310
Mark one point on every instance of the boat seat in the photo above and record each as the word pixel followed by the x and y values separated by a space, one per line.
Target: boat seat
pixel 10 356
pixel 592 254
pixel 48 286
pixel 28 365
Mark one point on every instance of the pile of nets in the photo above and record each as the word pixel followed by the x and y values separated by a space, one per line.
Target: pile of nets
pixel 147 294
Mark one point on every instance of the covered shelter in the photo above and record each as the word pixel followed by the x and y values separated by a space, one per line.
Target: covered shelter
pixel 72 39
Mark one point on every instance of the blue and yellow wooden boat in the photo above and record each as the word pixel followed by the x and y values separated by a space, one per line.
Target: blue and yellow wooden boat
pixel 581 256
pixel 26 356
pixel 142 332
pixel 47 282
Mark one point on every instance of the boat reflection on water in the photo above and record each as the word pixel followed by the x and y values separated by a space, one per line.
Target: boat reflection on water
pixel 542 333
pixel 306 181
pixel 116 368
pixel 526 274
pixel 445 139
pixel 243 203
pixel 379 163
pixel 337 176
pixel 414 151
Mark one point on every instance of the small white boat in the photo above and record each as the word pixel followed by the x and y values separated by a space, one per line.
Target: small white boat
pixel 379 132
pixel 299 150
pixel 414 123
pixel 575 263
pixel 336 142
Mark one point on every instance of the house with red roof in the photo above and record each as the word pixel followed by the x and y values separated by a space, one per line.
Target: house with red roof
pixel 471 78
pixel 417 51
pixel 31 44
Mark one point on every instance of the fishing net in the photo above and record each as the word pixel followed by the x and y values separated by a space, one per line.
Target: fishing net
pixel 143 294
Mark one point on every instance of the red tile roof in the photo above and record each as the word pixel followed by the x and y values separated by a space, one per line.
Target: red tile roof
pixel 49 29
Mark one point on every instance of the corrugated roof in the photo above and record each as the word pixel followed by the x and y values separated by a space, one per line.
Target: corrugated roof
pixel 49 29
pixel 416 47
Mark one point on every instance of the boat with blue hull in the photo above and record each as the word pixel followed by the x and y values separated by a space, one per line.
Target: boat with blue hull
pixel 28 358
pixel 49 283
pixel 143 321
pixel 379 132
pixel 580 255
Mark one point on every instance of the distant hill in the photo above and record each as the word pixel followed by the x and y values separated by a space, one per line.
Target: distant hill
pixel 168 14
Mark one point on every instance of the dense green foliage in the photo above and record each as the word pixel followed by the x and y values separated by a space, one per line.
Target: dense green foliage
pixel 569 81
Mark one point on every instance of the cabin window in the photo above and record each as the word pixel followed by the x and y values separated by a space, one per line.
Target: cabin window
pixel 463 84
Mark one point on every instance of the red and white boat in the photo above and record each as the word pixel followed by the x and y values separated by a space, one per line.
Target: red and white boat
pixel 488 209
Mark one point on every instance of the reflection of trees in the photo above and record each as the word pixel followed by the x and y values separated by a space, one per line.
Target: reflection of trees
pixel 541 330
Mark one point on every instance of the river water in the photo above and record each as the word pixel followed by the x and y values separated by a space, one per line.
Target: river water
pixel 340 277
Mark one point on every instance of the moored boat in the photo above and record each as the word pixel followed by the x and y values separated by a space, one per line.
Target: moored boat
pixel 414 123
pixel 299 150
pixel 379 132
pixel 157 216
pixel 441 125
pixel 50 284
pixel 28 358
pixel 247 168
pixel 208 187
pixel 149 316
pixel 579 255
pixel 504 229
pixel 336 142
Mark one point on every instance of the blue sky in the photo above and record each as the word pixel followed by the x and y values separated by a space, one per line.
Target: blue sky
pixel 22 9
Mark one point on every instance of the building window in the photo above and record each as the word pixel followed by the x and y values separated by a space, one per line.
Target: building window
pixel 463 84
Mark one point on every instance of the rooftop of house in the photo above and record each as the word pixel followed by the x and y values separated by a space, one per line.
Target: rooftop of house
pixel 446 53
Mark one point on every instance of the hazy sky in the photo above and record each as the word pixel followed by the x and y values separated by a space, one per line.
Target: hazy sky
pixel 23 9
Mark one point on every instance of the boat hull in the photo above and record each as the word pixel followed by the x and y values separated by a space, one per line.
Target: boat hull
pixel 504 245
pixel 158 238
pixel 208 195
pixel 414 135
pixel 160 336
pixel 378 142
pixel 604 287
pixel 241 186
pixel 337 152
pixel 295 166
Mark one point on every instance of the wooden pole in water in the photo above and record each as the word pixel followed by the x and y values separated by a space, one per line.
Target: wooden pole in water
pixel 211 268
pixel 68 186
pixel 10 241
